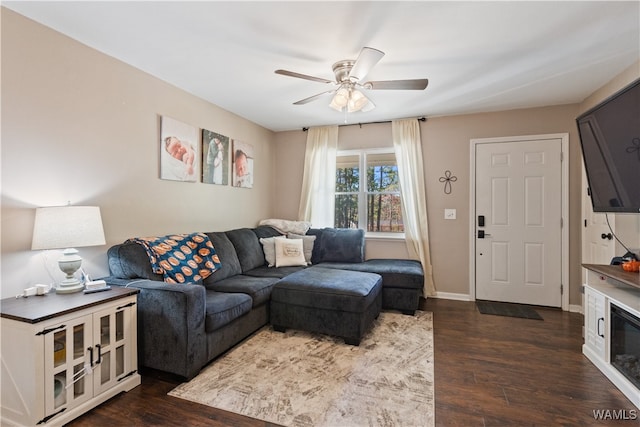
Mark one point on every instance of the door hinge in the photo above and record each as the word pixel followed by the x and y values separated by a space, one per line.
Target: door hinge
pixel 561 222
pixel 561 289
pixel 562 156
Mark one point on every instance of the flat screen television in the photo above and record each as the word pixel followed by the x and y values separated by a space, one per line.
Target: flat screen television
pixel 610 140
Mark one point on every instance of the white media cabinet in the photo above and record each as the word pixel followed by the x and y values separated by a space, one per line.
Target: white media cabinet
pixel 63 354
pixel 607 285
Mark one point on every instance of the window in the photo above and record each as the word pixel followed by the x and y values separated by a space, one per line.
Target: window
pixel 369 201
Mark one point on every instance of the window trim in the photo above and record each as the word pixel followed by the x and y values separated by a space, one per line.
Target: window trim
pixel 362 201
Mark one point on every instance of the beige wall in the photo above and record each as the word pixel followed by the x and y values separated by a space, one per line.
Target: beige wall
pixel 446 143
pixel 80 126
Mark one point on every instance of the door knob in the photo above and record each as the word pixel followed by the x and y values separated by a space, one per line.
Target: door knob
pixel 482 234
pixel 607 236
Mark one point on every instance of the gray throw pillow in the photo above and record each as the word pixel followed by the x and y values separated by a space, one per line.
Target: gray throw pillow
pixel 269 248
pixel 307 245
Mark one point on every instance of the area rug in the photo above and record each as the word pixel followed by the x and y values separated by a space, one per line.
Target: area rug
pixel 303 379
pixel 507 309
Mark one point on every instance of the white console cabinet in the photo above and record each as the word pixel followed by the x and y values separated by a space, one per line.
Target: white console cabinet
pixel 606 286
pixel 65 354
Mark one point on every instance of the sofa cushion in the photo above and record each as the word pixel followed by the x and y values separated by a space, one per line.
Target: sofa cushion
pixel 279 272
pixel 227 255
pixel 339 245
pixel 316 256
pixel 130 261
pixel 396 273
pixel 258 288
pixel 223 308
pixel 264 231
pixel 248 248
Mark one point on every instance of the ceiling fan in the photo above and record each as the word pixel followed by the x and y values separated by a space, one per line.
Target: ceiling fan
pixel 349 82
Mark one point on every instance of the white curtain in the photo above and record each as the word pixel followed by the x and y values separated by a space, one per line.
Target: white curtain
pixel 317 200
pixel 408 149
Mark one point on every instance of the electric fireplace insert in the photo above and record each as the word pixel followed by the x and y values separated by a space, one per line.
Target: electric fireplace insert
pixel 625 344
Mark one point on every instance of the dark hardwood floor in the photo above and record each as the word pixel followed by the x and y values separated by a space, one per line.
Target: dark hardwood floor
pixel 489 371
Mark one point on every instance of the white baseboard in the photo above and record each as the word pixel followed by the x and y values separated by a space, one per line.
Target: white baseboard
pixel 466 297
pixel 575 308
pixel 452 296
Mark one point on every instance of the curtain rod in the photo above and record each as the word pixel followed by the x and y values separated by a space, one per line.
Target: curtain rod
pixel 420 119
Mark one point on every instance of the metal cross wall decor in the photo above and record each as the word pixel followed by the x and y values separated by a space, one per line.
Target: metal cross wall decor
pixel 635 146
pixel 448 179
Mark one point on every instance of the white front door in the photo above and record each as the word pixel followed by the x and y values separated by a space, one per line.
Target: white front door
pixel 518 197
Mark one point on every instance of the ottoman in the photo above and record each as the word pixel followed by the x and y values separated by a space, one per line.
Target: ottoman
pixel 329 301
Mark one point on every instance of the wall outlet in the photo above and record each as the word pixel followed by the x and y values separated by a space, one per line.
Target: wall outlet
pixel 449 214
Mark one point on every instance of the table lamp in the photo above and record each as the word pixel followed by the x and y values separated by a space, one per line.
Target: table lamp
pixel 68 227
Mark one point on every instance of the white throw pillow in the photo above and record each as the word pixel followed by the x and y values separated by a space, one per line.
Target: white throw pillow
pixel 307 245
pixel 289 252
pixel 269 248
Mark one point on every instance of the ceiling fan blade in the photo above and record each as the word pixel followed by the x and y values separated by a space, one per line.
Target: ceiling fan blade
pixel 417 84
pixel 366 60
pixel 303 76
pixel 313 98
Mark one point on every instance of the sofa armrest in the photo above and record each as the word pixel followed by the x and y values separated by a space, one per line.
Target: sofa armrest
pixel 171 325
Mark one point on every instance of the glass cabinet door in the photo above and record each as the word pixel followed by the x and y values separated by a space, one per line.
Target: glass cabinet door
pixel 67 370
pixel 114 352
pixel 86 356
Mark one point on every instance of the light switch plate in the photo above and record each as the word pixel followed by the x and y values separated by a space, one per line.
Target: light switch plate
pixel 449 214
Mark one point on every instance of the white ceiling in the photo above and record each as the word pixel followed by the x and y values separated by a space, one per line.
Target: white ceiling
pixel 478 56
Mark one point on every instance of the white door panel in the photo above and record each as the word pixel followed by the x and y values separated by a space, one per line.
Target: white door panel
pixel 596 248
pixel 518 190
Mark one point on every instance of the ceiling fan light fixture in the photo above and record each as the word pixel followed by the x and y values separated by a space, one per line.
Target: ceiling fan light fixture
pixel 357 101
pixel 348 75
pixel 340 99
pixel 368 107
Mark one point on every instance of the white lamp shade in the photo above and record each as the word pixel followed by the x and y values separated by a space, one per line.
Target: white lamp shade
pixel 63 227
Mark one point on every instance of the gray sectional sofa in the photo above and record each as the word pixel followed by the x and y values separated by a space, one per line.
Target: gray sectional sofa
pixel 181 328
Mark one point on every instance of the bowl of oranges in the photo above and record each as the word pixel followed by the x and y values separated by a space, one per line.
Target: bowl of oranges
pixel 632 266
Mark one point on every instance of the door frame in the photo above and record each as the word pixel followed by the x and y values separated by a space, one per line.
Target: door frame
pixel 564 141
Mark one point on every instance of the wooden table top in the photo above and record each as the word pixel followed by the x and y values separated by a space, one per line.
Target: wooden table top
pixel 38 308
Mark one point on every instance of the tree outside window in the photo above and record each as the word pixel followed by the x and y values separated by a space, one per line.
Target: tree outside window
pixel 371 202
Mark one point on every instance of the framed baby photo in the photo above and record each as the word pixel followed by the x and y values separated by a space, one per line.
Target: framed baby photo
pixel 242 164
pixel 215 158
pixel 179 155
